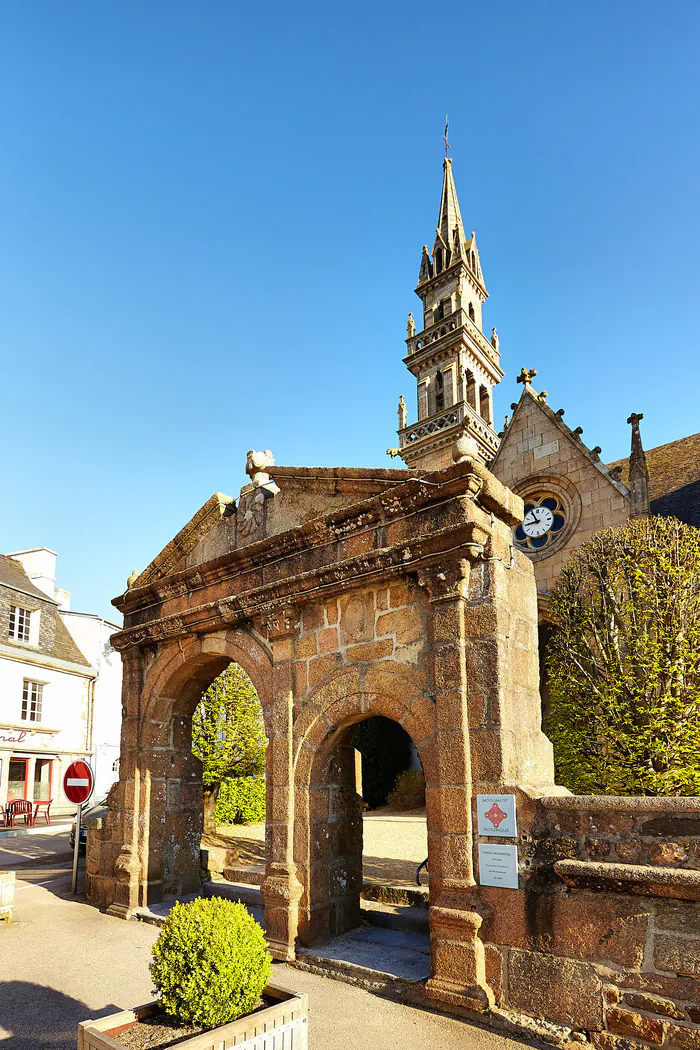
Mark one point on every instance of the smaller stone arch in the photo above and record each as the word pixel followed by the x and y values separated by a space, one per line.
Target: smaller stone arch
pixel 328 809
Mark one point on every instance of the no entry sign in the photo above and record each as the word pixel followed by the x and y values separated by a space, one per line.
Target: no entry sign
pixel 78 782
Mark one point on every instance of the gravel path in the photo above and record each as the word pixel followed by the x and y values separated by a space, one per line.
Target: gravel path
pixel 394 844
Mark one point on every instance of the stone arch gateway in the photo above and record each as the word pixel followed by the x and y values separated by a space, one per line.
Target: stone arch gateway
pixel 352 593
pixel 355 593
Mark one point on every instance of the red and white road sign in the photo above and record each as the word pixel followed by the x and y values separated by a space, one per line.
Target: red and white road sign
pixel 78 782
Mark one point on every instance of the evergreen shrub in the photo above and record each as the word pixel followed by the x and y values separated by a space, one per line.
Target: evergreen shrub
pixel 241 800
pixel 210 962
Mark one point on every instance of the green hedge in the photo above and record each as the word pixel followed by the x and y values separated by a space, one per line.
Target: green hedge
pixel 241 801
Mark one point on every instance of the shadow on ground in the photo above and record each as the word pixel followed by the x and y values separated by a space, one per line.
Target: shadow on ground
pixel 36 1016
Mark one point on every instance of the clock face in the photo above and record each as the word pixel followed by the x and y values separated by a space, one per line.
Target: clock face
pixel 538 521
pixel 545 517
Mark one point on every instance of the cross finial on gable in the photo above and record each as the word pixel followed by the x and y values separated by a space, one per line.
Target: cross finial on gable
pixel 526 376
pixel 635 418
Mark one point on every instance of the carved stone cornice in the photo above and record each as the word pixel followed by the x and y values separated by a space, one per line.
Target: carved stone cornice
pixel 412 527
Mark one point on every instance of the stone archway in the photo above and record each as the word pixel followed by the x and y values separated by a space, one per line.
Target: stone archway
pixel 409 603
pixel 158 801
pixel 328 854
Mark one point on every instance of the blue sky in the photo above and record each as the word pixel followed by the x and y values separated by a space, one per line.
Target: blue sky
pixel 211 219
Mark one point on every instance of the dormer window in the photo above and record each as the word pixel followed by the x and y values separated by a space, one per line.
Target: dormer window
pixel 20 624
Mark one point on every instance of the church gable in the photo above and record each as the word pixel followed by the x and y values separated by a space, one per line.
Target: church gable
pixel 571 492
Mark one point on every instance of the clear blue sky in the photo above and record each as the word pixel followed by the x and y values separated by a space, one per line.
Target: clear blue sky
pixel 211 217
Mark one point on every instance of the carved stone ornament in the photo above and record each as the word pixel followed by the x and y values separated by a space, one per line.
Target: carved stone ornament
pixel 127 639
pixel 250 516
pixel 165 628
pixel 228 612
pixel 283 623
pixel 446 581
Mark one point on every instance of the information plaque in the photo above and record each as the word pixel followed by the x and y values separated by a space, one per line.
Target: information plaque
pixel 498 866
pixel 496 815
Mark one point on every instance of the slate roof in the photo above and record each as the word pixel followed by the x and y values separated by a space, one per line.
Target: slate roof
pixel 12 575
pixel 674 478
pixel 64 646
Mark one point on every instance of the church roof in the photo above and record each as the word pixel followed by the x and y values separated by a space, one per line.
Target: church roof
pixel 674 478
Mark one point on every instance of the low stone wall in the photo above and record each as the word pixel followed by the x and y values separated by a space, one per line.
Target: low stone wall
pixel 603 936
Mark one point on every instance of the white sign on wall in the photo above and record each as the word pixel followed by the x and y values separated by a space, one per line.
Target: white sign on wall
pixel 498 866
pixel 496 815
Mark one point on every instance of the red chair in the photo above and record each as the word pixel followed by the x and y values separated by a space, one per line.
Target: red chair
pixel 45 805
pixel 18 808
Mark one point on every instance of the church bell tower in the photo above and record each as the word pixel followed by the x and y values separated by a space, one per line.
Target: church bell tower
pixel 455 365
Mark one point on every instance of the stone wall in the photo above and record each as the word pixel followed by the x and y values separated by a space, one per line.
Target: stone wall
pixel 603 936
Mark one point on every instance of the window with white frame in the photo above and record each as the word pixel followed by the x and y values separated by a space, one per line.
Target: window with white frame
pixel 32 696
pixel 20 623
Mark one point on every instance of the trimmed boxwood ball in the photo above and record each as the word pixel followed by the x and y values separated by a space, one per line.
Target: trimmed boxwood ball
pixel 210 962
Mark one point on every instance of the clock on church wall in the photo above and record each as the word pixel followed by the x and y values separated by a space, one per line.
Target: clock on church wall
pixel 551 515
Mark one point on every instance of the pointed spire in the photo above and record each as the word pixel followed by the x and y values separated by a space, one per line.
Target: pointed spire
pixel 450 228
pixel 639 472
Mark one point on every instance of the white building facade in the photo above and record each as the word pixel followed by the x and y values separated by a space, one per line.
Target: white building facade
pixel 60 685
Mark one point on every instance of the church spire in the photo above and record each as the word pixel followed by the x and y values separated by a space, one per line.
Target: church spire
pixel 450 228
pixel 454 364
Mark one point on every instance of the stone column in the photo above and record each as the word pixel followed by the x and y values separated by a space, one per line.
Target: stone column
pixel 281 890
pixel 128 873
pixel 458 972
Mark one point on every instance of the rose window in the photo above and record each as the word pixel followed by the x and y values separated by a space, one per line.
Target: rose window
pixel 545 517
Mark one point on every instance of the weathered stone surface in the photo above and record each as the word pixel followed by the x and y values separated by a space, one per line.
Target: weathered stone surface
pixel 405 624
pixel 687 1038
pixel 493 960
pixel 677 954
pixel 558 989
pixel 626 1022
pixel 582 926
pixel 667 853
pixel 654 1004
pixel 677 916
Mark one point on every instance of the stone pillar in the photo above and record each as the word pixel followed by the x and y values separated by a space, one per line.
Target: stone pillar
pixel 281 890
pixel 458 973
pixel 127 867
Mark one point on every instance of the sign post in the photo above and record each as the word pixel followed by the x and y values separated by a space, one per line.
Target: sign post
pixel 78 782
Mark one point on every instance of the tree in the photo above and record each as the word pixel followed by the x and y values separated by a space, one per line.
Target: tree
pixel 228 735
pixel 624 662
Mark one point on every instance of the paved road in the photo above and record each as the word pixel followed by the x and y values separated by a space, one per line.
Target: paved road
pixel 34 847
pixel 62 961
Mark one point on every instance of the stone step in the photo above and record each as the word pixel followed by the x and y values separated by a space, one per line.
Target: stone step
pixel 252 875
pixel 216 858
pixel 395 893
pixel 245 892
pixel 387 962
pixel 395 917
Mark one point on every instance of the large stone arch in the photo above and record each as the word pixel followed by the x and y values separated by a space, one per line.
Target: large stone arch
pixel 160 789
pixel 328 809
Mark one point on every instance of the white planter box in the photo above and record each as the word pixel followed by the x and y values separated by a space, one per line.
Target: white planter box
pixel 283 1026
pixel 7 895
